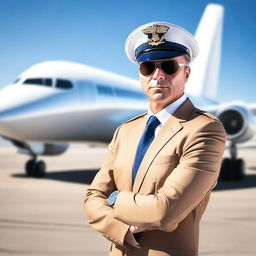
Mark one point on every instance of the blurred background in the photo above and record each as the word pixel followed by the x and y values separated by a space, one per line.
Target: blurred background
pixel 45 216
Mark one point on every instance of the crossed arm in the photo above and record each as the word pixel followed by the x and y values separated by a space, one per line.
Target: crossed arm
pixel 194 177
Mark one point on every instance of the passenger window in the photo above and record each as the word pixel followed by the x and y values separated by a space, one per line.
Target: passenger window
pixel 105 90
pixel 48 82
pixel 128 93
pixel 63 84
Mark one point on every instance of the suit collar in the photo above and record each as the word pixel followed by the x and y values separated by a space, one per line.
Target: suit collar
pixel 165 113
pixel 184 111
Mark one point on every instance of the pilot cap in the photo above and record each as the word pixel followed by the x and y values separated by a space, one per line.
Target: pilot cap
pixel 160 40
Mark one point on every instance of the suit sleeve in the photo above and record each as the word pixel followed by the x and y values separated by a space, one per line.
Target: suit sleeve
pixel 99 214
pixel 194 177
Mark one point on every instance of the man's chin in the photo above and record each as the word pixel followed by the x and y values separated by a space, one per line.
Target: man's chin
pixel 158 96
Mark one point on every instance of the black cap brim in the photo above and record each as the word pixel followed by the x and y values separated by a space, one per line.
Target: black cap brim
pixel 158 55
pixel 167 50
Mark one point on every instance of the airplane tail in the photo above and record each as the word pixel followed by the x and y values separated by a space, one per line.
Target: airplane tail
pixel 204 76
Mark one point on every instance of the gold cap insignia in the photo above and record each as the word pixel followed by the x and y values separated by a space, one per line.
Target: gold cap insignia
pixel 155 34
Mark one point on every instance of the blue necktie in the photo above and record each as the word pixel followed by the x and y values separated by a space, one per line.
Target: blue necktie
pixel 146 139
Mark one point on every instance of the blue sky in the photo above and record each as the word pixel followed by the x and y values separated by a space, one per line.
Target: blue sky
pixel 94 33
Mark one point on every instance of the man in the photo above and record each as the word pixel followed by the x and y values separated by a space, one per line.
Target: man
pixel 150 194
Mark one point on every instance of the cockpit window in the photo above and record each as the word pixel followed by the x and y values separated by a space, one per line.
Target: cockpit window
pixel 39 81
pixel 63 84
pixel 48 81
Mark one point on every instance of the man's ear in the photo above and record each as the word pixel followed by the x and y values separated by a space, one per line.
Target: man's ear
pixel 187 72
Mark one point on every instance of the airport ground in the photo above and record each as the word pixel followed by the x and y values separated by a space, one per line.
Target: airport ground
pixel 45 216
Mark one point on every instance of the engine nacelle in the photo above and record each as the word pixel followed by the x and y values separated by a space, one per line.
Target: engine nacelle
pixel 238 122
pixel 54 149
pixel 42 149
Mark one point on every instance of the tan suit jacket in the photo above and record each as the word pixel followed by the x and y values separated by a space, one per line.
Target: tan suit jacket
pixel 171 189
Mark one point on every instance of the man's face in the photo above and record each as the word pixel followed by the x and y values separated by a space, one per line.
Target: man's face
pixel 162 88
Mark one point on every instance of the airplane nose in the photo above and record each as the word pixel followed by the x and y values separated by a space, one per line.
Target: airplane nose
pixel 37 116
pixel 18 103
pixel 8 122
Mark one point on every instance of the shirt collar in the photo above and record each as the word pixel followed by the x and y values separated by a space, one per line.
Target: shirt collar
pixel 165 113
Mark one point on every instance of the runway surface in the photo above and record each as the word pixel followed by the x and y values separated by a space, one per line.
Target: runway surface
pixel 45 216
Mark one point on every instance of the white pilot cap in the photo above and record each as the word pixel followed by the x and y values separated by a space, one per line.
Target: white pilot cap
pixel 160 40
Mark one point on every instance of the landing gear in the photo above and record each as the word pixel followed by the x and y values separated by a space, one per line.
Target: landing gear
pixel 29 167
pixel 35 168
pixel 232 168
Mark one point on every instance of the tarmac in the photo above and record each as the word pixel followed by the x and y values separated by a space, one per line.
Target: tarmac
pixel 45 216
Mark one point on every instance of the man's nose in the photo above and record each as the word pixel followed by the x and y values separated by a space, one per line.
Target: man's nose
pixel 158 74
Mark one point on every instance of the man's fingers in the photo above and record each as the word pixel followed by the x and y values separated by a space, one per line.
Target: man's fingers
pixel 135 229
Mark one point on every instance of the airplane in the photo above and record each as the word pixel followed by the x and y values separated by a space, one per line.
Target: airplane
pixel 55 103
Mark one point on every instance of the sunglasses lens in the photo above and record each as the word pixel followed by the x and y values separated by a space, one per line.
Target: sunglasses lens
pixel 170 67
pixel 147 68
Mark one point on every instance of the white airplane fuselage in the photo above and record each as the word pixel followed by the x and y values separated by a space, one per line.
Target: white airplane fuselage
pixel 91 106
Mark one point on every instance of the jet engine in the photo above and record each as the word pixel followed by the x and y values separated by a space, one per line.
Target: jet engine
pixel 238 122
pixel 54 149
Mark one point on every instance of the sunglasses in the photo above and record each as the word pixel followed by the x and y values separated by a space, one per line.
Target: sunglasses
pixel 170 67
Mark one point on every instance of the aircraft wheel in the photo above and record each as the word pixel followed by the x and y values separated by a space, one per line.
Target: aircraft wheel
pixel 239 169
pixel 226 170
pixel 40 169
pixel 30 166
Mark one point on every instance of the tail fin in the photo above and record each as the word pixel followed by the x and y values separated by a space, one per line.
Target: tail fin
pixel 204 76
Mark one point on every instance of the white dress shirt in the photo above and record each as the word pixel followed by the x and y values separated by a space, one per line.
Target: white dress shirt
pixel 165 113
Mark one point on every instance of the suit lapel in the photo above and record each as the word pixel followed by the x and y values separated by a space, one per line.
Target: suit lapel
pixel 131 145
pixel 171 127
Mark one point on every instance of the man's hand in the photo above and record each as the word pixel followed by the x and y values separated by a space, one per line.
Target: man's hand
pixel 129 237
pixel 135 229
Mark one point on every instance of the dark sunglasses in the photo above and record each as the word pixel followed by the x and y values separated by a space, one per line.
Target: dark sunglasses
pixel 170 67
